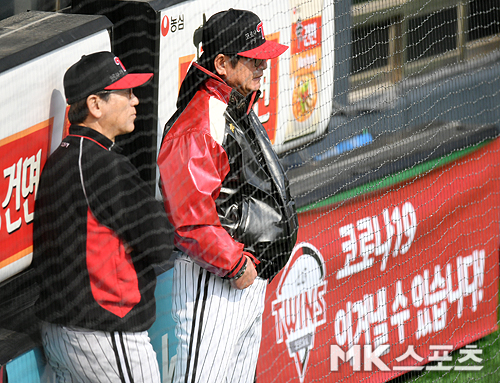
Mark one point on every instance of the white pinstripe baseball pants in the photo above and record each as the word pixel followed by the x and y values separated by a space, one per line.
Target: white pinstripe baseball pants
pixel 218 327
pixel 88 356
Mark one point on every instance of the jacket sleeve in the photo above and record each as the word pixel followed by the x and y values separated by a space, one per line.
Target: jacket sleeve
pixel 192 167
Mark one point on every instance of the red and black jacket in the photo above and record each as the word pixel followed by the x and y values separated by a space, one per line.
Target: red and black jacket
pixel 97 233
pixel 224 189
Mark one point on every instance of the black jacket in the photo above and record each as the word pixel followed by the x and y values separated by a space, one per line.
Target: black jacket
pixel 255 205
pixel 98 231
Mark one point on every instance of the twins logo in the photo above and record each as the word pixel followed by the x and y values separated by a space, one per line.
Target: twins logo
pixel 300 306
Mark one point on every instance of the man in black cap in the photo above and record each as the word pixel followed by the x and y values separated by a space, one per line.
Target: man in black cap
pixel 98 231
pixel 228 198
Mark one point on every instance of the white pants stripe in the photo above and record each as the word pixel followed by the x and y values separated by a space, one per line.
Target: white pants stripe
pixel 219 328
pixel 87 356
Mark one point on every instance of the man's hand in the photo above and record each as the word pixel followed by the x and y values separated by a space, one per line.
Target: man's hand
pixel 247 278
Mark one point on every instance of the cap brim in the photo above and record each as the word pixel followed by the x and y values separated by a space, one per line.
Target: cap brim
pixel 268 50
pixel 130 80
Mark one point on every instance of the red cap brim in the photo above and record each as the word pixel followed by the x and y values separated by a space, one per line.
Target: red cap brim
pixel 130 80
pixel 268 50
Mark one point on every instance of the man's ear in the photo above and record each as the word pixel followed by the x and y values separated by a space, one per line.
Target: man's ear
pixel 220 64
pixel 93 103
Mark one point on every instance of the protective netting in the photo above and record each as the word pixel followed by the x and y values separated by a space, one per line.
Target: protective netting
pixel 385 116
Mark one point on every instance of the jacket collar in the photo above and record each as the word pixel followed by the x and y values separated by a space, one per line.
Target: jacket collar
pixel 243 103
pixel 214 83
pixel 93 135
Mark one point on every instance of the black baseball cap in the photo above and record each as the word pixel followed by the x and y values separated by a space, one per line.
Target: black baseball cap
pixel 238 32
pixel 97 72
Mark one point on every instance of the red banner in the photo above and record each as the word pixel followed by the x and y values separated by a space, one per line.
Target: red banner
pixel 384 283
pixel 23 156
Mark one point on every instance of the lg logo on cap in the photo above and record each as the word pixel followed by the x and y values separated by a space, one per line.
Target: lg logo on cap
pixel 118 62
pixel 260 28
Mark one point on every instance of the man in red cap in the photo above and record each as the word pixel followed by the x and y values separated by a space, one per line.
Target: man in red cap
pixel 97 233
pixel 227 196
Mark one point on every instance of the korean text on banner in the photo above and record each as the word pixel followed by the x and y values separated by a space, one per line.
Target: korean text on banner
pixel 404 268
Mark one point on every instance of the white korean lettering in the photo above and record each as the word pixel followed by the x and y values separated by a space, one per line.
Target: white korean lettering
pixel 400 318
pixel 440 359
pixel 455 295
pixel 396 219
pixel 368 233
pixel 470 353
pixel 349 328
pixel 310 34
pixel 24 176
pixel 409 352
pixel 424 322
pixel 383 248
pixel 350 248
pixel 409 225
pixel 379 317
pixel 363 324
pixel 14 174
pixel 30 181
pixel 366 245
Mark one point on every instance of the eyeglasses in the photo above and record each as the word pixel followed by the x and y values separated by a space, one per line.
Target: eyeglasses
pixel 256 62
pixel 128 92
